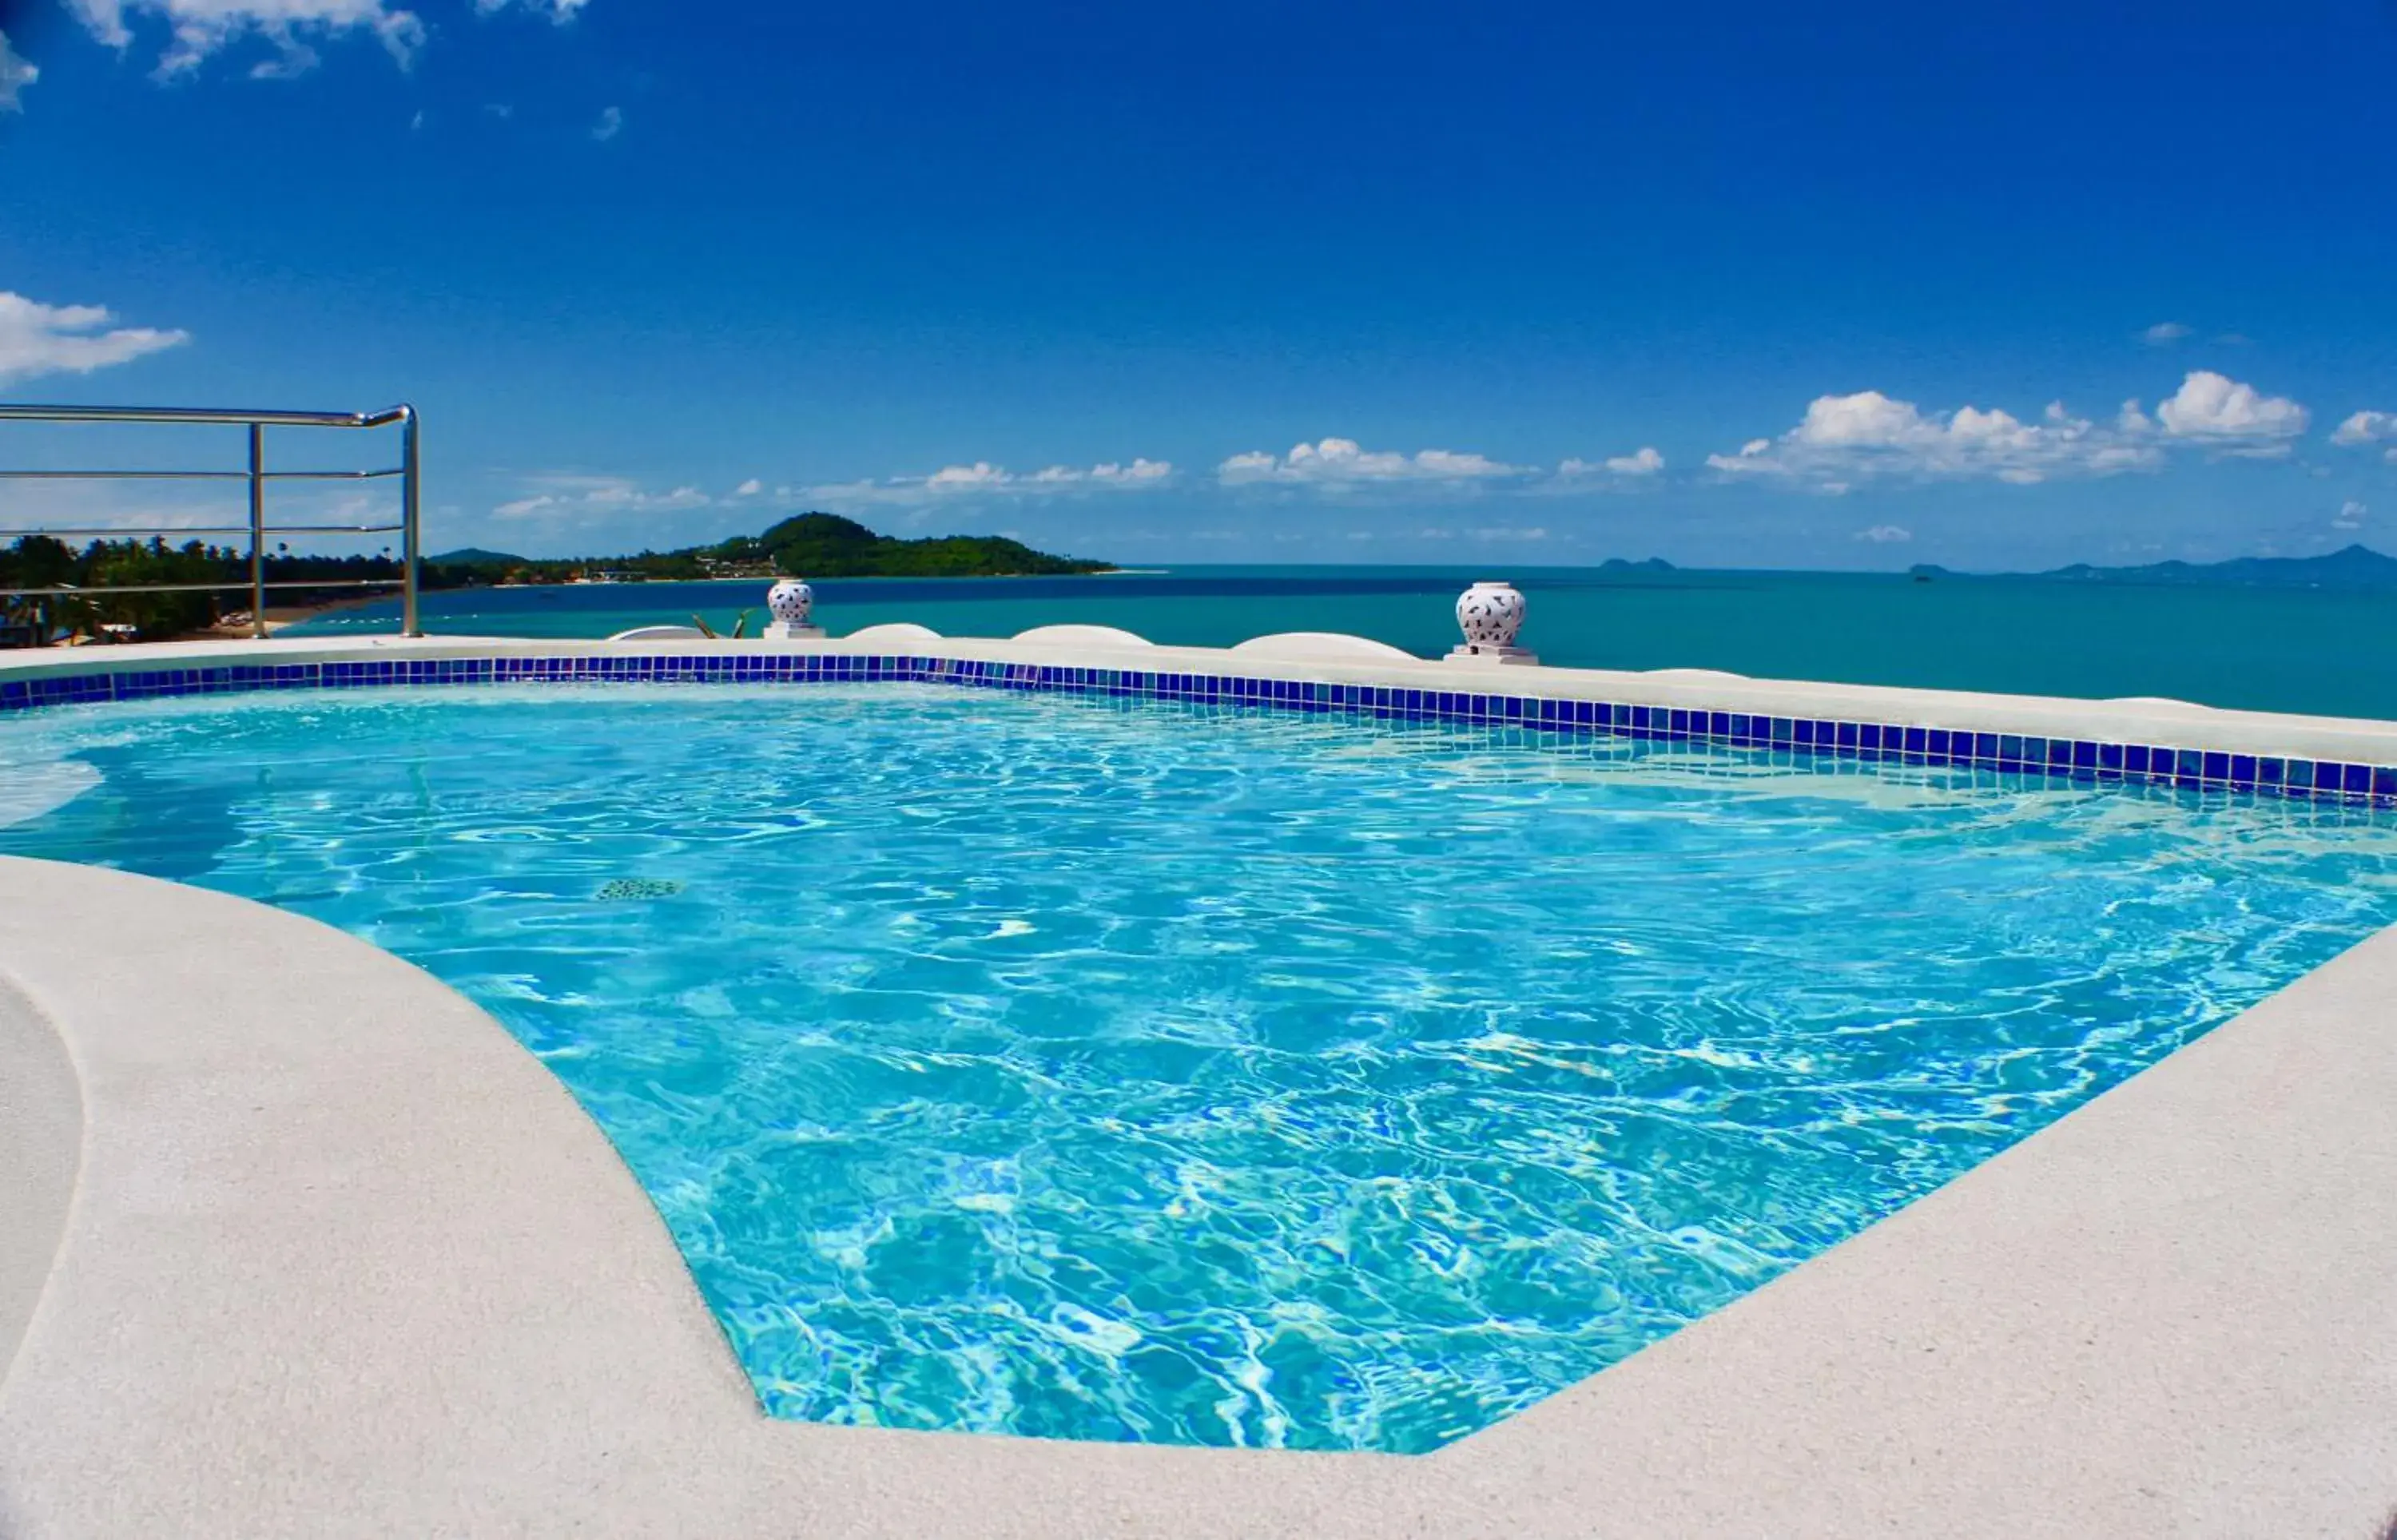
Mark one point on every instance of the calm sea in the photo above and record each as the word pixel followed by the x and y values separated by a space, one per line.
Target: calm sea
pixel 2325 652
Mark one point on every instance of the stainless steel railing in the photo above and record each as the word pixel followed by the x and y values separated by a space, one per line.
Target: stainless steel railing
pixel 408 471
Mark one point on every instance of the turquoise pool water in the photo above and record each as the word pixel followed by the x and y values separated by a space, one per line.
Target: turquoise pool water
pixel 1099 1069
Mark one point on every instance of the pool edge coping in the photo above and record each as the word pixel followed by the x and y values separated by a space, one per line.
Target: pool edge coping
pixel 2193 746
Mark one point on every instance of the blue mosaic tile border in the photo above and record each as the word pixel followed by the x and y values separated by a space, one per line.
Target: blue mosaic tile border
pixel 2073 759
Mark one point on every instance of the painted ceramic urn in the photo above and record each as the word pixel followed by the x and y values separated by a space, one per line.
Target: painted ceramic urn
pixel 1492 615
pixel 791 600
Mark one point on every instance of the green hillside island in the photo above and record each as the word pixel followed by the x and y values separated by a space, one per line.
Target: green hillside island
pixel 810 545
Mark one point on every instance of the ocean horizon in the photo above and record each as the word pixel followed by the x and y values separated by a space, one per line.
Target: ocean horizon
pixel 2311 651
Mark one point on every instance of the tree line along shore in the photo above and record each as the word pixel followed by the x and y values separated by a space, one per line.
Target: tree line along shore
pixel 809 545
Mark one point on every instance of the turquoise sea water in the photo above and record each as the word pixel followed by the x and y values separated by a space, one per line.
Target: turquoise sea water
pixel 2320 651
pixel 1105 1069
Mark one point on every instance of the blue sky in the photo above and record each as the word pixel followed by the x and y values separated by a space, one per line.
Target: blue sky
pixel 1498 284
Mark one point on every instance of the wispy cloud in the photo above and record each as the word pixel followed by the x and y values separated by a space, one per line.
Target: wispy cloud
pixel 570 496
pixel 1886 534
pixel 984 480
pixel 2351 515
pixel 1332 465
pixel 1488 534
pixel 1335 462
pixel 1345 468
pixel 566 497
pixel 611 124
pixel 15 74
pixel 200 28
pixel 560 11
pixel 1846 440
pixel 2163 334
pixel 40 340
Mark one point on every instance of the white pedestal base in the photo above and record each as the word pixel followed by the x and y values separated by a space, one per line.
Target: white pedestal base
pixel 784 631
pixel 1487 656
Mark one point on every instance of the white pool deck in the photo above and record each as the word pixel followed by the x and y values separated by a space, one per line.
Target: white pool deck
pixel 296 1240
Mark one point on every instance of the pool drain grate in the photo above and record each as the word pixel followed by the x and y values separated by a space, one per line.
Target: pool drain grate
pixel 639 887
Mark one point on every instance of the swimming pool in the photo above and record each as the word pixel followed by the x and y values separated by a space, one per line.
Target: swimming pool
pixel 1095 1069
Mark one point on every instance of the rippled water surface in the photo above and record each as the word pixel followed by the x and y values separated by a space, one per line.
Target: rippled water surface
pixel 1124 1072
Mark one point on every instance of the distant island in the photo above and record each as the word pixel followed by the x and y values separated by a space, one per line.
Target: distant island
pixel 809 545
pixel 2355 567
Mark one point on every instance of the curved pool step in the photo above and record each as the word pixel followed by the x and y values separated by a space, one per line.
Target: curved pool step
pixel 1085 636
pixel 893 630
pixel 1324 646
pixel 661 633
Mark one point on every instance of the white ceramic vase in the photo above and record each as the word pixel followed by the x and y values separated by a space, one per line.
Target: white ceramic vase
pixel 791 600
pixel 1492 615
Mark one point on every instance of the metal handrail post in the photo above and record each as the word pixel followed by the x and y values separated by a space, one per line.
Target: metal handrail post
pixel 258 529
pixel 410 510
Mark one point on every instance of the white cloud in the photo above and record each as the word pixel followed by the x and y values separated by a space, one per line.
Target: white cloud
pixel 749 488
pixel 2163 332
pixel 1886 534
pixel 2364 428
pixel 980 476
pixel 15 74
pixel 572 497
pixel 200 28
pixel 1844 439
pixel 1848 439
pixel 1108 476
pixel 39 340
pixel 982 479
pixel 296 60
pixel 1641 462
pixel 560 11
pixel 2217 408
pixel 2351 515
pixel 1334 462
pixel 105 19
pixel 611 124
